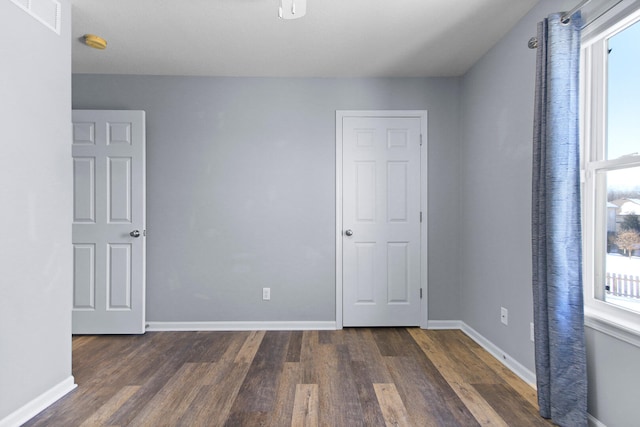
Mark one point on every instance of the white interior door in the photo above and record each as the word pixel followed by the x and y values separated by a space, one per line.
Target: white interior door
pixel 381 221
pixel 108 222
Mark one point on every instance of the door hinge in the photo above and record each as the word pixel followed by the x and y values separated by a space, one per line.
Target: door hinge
pixel 420 216
pixel 420 293
pixel 421 140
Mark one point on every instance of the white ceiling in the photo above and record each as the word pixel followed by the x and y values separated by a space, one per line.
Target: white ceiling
pixel 337 38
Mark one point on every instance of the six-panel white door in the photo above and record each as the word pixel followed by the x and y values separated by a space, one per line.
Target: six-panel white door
pixel 381 221
pixel 108 222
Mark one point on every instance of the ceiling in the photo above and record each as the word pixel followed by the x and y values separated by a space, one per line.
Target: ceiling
pixel 336 38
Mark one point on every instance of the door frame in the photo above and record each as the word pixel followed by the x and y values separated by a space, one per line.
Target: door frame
pixel 422 115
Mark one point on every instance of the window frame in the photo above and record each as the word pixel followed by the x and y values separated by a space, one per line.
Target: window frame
pixel 599 314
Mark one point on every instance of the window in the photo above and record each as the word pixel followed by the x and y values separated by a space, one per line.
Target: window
pixel 611 167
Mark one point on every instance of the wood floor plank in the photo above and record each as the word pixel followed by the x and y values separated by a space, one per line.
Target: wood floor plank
pixel 354 340
pixel 209 347
pixel 427 396
pixel 393 410
pixel 336 388
pixel 227 361
pixel 331 337
pixel 213 402
pixel 250 346
pixel 511 406
pixel 82 341
pixel 105 412
pixel 125 360
pixel 308 357
pixel 168 405
pixel 363 348
pixel 295 346
pixel 392 341
pixel 371 413
pixel 525 390
pixel 152 370
pixel 419 377
pixel 470 367
pixel 92 367
pixel 367 367
pixel 285 398
pixel 450 370
pixel 325 337
pixel 305 406
pixel 248 419
pixel 74 408
pixel 259 389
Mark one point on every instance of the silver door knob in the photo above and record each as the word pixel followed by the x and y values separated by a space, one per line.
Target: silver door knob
pixel 134 233
pixel 348 232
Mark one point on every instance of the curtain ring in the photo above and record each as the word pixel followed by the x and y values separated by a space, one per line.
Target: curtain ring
pixel 533 43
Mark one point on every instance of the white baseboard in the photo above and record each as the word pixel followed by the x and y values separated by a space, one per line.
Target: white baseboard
pixel 37 405
pixel 444 324
pixel 594 422
pixel 240 326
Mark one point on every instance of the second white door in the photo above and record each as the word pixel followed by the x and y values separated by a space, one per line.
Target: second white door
pixel 108 222
pixel 381 219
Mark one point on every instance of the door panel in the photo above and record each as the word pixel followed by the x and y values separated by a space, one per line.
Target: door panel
pixel 109 203
pixel 119 190
pixel 381 208
pixel 84 196
pixel 84 263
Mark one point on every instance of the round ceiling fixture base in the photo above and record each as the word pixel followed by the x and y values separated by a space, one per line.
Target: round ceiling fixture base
pixel 94 41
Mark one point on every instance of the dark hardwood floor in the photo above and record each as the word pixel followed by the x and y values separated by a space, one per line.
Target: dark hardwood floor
pixel 350 377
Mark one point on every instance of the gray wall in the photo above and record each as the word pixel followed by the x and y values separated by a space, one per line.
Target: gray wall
pixel 241 189
pixel 497 128
pixel 35 219
pixel 614 378
pixel 495 164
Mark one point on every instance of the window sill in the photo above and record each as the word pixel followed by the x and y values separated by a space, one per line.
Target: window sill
pixel 612 326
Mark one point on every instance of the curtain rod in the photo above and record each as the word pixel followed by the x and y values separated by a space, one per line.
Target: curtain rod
pixel 566 17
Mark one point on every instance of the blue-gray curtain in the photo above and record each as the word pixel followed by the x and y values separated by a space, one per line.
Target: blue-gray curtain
pixel 556 228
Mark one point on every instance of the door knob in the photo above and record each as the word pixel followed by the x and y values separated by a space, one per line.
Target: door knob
pixel 134 233
pixel 348 232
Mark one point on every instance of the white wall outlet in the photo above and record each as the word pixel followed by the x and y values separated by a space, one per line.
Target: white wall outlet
pixel 531 335
pixel 504 315
pixel 266 294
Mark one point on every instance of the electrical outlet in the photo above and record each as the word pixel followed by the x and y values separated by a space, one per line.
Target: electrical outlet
pixel 504 315
pixel 531 335
pixel 266 294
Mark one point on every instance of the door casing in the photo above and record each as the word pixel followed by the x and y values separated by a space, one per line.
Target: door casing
pixel 423 116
